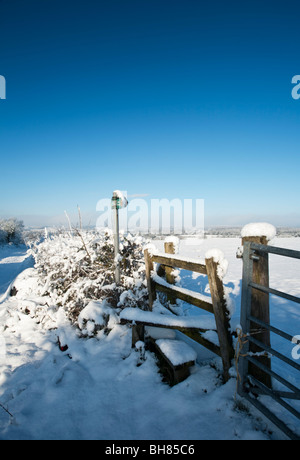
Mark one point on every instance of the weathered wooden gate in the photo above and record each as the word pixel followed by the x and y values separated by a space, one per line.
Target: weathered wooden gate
pixel 255 359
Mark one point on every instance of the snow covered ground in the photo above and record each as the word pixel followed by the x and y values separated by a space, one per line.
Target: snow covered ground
pixel 13 260
pixel 95 390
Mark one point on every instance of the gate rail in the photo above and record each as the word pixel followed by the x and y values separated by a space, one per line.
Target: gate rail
pixel 250 385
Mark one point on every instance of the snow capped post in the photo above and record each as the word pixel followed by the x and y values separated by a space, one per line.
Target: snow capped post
pixel 118 201
pixel 259 233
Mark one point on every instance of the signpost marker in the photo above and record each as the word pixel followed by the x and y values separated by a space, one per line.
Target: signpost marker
pixel 118 201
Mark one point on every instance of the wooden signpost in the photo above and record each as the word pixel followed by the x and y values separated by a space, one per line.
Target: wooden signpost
pixel 118 201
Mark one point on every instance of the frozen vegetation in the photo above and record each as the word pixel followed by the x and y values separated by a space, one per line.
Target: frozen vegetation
pixel 11 231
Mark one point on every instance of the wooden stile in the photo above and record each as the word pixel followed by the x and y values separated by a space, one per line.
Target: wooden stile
pixel 217 306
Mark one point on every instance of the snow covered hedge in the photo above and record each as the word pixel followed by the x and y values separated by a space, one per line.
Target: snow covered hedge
pixel 77 273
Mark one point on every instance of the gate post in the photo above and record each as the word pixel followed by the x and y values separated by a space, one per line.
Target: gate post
pixel 259 304
pixel 244 316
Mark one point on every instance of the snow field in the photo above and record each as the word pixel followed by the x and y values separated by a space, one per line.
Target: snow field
pixel 101 394
pixel 95 390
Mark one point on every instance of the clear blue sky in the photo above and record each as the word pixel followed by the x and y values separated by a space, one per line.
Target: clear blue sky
pixel 170 98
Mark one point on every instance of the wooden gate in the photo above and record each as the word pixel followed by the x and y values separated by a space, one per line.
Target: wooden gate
pixel 256 376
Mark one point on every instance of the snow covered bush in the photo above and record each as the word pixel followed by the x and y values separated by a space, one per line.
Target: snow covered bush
pixel 77 273
pixel 11 231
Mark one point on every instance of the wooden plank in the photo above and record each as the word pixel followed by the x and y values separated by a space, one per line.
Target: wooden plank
pixel 192 333
pixel 177 351
pixel 173 374
pixel 164 326
pixel 176 262
pixel 136 315
pixel 197 337
pixel 221 315
pixel 179 293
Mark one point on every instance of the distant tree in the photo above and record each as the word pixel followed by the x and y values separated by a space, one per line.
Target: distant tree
pixel 2 236
pixel 11 231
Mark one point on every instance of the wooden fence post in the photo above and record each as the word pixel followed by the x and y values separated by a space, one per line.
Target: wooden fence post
pixel 169 271
pixel 138 333
pixel 169 249
pixel 150 284
pixel 221 315
pixel 260 309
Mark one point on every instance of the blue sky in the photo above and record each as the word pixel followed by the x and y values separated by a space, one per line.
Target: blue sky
pixel 173 99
